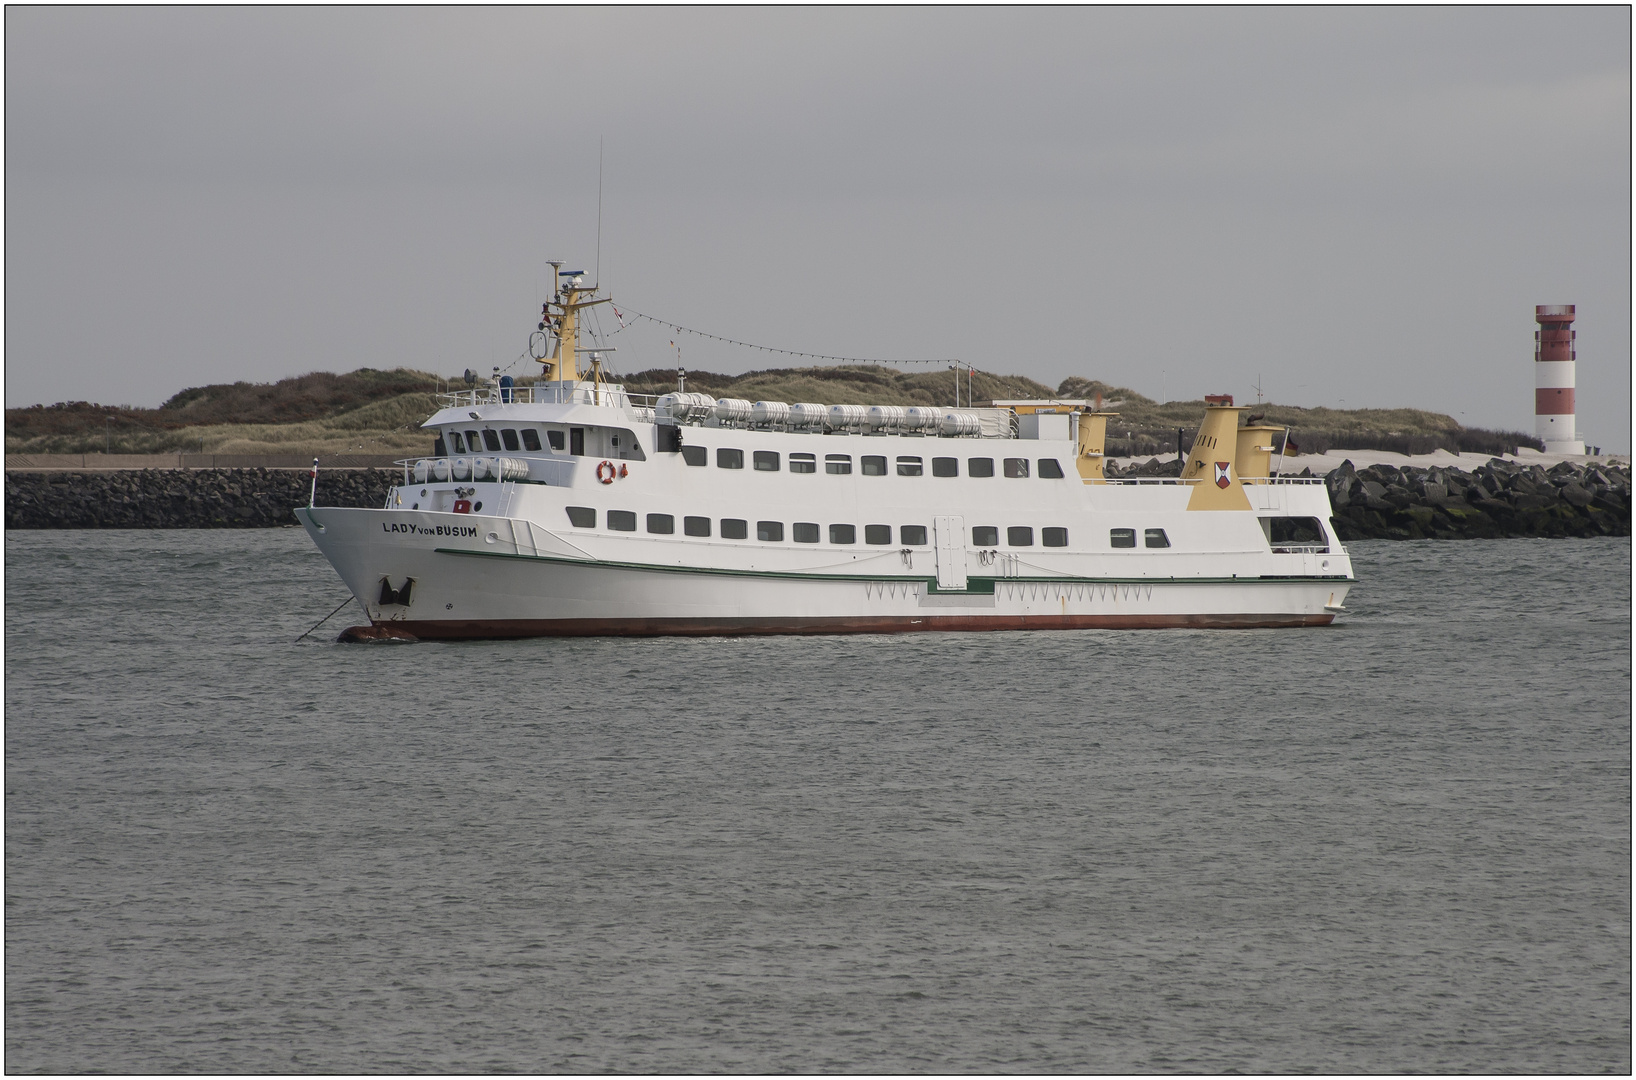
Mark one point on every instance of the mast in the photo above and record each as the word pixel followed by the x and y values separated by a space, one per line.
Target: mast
pixel 561 313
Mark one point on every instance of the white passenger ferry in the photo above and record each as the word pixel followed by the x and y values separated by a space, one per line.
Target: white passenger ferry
pixel 571 507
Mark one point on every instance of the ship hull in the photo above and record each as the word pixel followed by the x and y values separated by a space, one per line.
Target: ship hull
pixel 498 578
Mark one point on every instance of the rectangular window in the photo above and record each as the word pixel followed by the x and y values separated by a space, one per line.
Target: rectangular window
pixel 1054 537
pixel 838 464
pixel 459 443
pixel 985 535
pixel 474 442
pixel 1019 536
pixel 582 517
pixel 911 466
pixel 622 520
pixel 695 455
pixel 1016 467
pixel 913 535
pixel 734 528
pixel 1155 538
pixel 1050 469
pixel 729 459
pixel 576 442
pixel 491 439
pixel 773 531
pixel 873 466
pixel 803 463
pixel 661 524
pixel 945 466
pixel 555 439
pixel 509 437
pixel 980 466
pixel 877 534
pixel 1122 538
pixel 696 526
pixel 843 534
pixel 805 532
pixel 531 439
pixel 766 460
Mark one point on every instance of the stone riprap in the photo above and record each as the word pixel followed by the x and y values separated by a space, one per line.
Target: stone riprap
pixel 182 498
pixel 1382 501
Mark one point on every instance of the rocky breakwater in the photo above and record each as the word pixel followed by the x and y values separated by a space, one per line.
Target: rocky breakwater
pixel 182 499
pixel 1500 498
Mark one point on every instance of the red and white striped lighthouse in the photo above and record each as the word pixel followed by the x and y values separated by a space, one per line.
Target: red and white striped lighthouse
pixel 1554 379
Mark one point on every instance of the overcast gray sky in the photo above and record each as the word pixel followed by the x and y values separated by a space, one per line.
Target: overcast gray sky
pixel 1358 206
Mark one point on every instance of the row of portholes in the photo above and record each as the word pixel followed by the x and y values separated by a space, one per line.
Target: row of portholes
pixel 870 464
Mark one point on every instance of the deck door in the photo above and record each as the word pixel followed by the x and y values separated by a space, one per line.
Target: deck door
pixel 951 552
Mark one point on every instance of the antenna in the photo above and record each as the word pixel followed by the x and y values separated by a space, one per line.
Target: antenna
pixel 599 210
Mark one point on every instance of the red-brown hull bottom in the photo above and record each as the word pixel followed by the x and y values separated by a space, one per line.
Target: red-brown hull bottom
pixel 525 628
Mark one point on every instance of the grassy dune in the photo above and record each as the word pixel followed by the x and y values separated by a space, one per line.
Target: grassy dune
pixel 380 412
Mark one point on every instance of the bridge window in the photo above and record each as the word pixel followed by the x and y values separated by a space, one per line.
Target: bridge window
pixel 985 535
pixel 582 517
pixel 838 464
pixel 1019 536
pixel 509 437
pixel 696 456
pixel 555 439
pixel 491 439
pixel 805 532
pixel 803 463
pixel 734 528
pixel 1054 537
pixel 913 535
pixel 576 442
pixel 729 459
pixel 622 520
pixel 843 534
pixel 531 439
pixel 945 466
pixel 1016 468
pixel 980 466
pixel 1050 469
pixel 1155 538
pixel 766 461
pixel 474 442
pixel 773 531
pixel 696 526
pixel 911 466
pixel 874 466
pixel 877 534
pixel 459 443
pixel 661 524
pixel 1122 538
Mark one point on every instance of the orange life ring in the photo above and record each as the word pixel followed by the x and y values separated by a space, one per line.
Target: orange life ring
pixel 608 476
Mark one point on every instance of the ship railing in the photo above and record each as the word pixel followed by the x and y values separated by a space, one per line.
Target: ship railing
pixel 1315 547
pixel 549 394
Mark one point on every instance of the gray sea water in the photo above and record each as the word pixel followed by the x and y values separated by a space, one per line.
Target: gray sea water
pixel 1400 843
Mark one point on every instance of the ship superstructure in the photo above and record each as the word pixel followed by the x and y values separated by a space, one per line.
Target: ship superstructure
pixel 572 507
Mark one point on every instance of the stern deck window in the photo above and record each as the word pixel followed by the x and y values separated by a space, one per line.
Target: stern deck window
pixel 843 534
pixel 803 463
pixel 696 455
pixel 1050 469
pixel 838 464
pixel 729 459
pixel 1016 468
pixel 980 466
pixel 772 531
pixel 766 460
pixel 805 532
pixel 582 517
pixel 661 524
pixel 1155 538
pixel 1122 538
pixel 734 529
pixel 622 520
pixel 696 526
pixel 945 466
pixel 913 535
pixel 874 465
pixel 985 535
pixel 877 534
pixel 911 466
pixel 1019 536
pixel 1054 537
